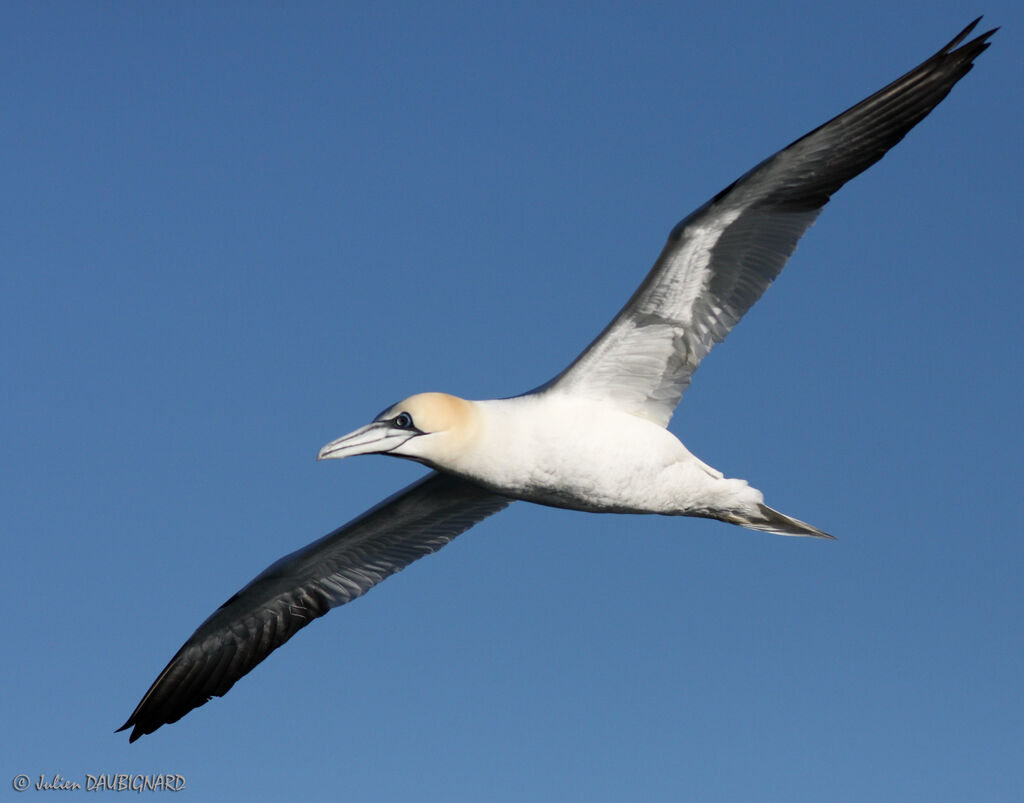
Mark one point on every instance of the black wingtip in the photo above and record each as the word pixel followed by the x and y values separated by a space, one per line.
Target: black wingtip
pixel 962 35
pixel 978 44
pixel 135 734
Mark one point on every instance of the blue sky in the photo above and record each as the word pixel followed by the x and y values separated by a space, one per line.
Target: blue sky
pixel 234 232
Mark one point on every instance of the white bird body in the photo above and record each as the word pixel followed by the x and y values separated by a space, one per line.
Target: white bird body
pixel 557 450
pixel 595 437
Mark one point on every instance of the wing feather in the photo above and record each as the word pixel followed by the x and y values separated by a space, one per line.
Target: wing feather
pixel 720 259
pixel 305 585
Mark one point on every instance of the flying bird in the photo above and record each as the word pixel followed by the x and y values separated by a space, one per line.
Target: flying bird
pixel 595 437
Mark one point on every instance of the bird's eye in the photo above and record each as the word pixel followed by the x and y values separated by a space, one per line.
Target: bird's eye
pixel 403 421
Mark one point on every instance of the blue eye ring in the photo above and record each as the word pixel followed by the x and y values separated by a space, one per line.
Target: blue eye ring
pixel 403 421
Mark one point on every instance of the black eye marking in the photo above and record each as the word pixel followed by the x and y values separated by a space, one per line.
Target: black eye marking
pixel 403 421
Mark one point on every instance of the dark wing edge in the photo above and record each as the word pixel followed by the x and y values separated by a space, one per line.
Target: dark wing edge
pixel 720 259
pixel 302 586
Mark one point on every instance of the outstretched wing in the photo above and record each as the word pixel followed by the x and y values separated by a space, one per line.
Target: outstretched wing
pixel 306 584
pixel 720 259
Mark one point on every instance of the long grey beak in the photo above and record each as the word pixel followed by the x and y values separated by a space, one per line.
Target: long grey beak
pixel 374 438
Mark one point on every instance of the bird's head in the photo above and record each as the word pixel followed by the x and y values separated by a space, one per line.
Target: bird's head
pixel 432 428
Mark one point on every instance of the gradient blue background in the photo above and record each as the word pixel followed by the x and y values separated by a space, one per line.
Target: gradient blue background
pixel 234 232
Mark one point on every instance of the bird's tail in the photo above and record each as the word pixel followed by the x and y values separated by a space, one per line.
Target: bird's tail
pixel 771 521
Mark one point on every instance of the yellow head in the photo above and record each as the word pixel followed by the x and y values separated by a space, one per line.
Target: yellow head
pixel 433 428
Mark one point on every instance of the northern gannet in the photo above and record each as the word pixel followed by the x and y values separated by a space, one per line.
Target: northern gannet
pixel 593 438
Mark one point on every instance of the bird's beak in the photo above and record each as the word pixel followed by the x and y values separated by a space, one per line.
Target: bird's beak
pixel 374 438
